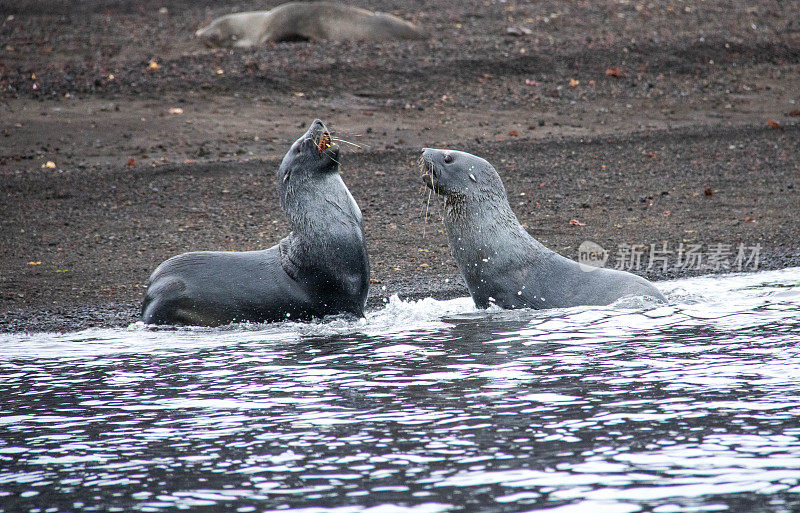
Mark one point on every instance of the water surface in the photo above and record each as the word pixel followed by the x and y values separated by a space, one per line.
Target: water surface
pixel 424 407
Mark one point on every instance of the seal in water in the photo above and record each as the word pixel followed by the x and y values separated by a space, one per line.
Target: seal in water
pixel 501 263
pixel 300 21
pixel 320 268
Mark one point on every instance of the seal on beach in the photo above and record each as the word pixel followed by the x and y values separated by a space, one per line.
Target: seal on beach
pixel 300 21
pixel 500 261
pixel 321 268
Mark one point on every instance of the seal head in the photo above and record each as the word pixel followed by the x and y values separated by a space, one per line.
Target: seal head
pixel 311 155
pixel 459 176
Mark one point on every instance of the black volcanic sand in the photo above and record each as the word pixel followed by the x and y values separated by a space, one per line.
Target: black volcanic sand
pixel 644 123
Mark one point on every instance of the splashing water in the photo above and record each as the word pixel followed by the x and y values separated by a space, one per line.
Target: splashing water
pixel 422 407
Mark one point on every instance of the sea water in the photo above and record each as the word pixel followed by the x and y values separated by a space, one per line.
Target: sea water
pixel 424 406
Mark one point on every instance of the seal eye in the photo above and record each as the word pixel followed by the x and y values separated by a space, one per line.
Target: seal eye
pixel 448 158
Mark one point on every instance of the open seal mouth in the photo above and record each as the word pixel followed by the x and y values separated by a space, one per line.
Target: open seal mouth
pixel 325 144
pixel 324 141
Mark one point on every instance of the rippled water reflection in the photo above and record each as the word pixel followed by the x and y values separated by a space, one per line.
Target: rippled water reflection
pixel 424 407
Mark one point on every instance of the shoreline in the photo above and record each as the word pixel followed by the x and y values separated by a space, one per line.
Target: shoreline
pixel 644 126
pixel 122 315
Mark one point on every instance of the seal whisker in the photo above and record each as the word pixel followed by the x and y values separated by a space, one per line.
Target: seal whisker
pixel 422 189
pixel 348 142
pixel 330 157
pixel 427 204
pixel 363 145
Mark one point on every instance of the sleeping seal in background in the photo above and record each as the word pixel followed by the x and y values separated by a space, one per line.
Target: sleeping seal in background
pixel 501 263
pixel 320 268
pixel 299 21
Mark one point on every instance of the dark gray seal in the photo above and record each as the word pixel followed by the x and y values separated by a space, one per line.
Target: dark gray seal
pixel 501 263
pixel 320 268
pixel 305 21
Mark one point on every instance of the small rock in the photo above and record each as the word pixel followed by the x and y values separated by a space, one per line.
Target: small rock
pixel 518 31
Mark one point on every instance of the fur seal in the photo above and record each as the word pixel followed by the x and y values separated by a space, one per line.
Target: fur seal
pixel 320 268
pixel 500 261
pixel 299 21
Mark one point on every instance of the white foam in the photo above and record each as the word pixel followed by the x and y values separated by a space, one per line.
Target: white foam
pixel 724 301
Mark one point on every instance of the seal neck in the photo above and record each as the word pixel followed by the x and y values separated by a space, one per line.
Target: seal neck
pixel 326 250
pixel 484 234
pixel 469 216
pixel 321 208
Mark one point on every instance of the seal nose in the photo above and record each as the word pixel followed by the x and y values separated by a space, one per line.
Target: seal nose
pixel 316 129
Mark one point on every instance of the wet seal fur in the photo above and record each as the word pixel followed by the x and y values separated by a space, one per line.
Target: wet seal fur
pixel 300 21
pixel 500 261
pixel 320 268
